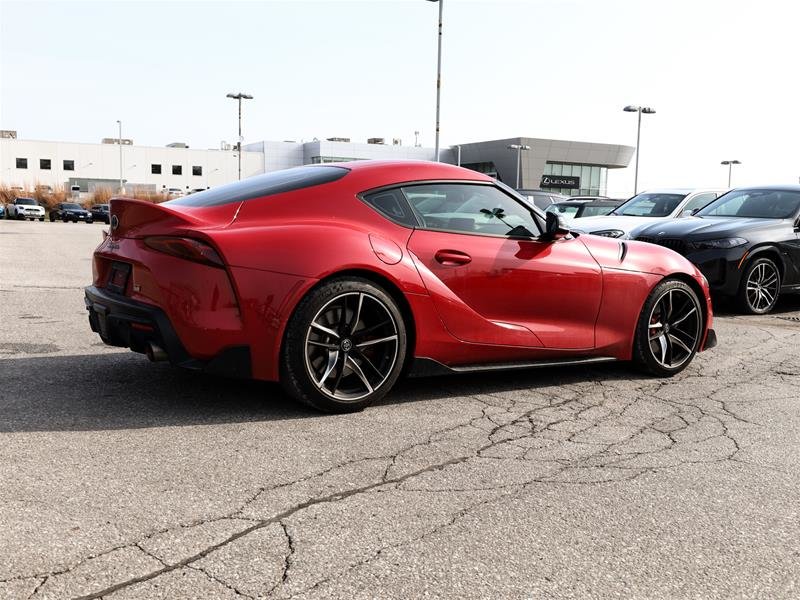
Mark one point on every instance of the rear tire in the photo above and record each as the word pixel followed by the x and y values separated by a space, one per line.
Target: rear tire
pixel 345 346
pixel 669 330
pixel 759 288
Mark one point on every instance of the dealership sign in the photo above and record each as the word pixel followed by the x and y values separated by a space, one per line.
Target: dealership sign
pixel 560 181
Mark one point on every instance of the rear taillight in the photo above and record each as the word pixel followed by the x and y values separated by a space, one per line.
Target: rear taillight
pixel 187 248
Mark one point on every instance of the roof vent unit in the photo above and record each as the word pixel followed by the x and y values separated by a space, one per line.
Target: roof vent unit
pixel 397 142
pixel 376 140
pixel 339 139
pixel 223 145
pixel 177 145
pixel 123 141
pixel 8 134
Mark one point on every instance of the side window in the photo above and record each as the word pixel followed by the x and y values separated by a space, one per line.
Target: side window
pixel 700 201
pixel 392 205
pixel 465 208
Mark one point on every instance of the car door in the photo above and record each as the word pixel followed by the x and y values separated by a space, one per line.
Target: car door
pixel 492 279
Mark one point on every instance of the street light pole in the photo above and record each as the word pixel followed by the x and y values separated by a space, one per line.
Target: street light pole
pixel 730 164
pixel 240 96
pixel 438 76
pixel 648 111
pixel 119 141
pixel 519 148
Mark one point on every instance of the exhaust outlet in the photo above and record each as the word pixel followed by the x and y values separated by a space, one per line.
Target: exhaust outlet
pixel 155 353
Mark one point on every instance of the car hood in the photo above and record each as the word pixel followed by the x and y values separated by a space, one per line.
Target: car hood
pixel 602 223
pixel 708 228
pixel 29 207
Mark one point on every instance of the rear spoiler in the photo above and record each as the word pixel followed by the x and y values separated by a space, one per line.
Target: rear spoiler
pixel 136 218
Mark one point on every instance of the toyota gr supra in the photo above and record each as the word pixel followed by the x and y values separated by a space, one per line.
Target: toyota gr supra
pixel 338 279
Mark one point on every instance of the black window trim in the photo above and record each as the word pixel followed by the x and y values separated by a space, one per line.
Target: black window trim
pixel 64 164
pixel 539 220
pixel 17 162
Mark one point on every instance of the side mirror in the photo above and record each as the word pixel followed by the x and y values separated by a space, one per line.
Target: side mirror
pixel 552 227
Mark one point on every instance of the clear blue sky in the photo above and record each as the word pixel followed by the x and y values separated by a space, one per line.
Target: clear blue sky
pixel 723 75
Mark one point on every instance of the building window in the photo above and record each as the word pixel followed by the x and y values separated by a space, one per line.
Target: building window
pixel 592 178
pixel 155 169
pixel 177 170
pixel 321 160
pixel 22 163
pixel 197 170
pixel 44 164
pixel 69 165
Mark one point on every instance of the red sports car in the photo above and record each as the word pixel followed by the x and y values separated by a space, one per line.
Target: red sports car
pixel 338 279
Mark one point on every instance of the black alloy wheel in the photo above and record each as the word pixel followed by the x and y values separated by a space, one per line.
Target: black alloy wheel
pixel 760 287
pixel 669 331
pixel 345 346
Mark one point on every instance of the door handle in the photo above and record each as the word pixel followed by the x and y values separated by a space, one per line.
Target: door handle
pixel 452 258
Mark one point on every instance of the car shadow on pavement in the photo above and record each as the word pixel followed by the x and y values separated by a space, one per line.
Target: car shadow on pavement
pixel 124 391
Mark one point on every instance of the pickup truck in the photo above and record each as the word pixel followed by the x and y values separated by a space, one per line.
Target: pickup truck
pixel 24 208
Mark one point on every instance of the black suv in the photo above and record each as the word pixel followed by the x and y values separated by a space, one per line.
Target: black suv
pixel 100 212
pixel 746 243
pixel 70 211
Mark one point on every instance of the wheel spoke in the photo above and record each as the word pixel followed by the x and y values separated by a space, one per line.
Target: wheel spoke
pixel 662 340
pixel 324 329
pixel 368 362
pixel 343 314
pixel 676 340
pixel 340 374
pixel 388 338
pixel 371 329
pixel 684 317
pixel 323 345
pixel 332 358
pixel 357 315
pixel 357 370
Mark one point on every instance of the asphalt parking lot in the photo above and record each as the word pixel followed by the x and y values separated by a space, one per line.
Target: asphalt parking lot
pixel 124 479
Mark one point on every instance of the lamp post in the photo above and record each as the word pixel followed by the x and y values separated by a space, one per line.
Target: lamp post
pixel 648 111
pixel 240 96
pixel 119 141
pixel 730 164
pixel 519 148
pixel 438 76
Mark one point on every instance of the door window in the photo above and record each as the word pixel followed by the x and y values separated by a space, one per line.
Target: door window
pixel 474 209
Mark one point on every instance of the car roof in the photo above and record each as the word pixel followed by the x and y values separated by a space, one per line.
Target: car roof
pixel 787 187
pixel 681 190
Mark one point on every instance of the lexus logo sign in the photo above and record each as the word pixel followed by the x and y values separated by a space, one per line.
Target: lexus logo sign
pixel 114 222
pixel 560 181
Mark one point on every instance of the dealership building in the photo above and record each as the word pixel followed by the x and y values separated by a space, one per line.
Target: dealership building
pixel 563 166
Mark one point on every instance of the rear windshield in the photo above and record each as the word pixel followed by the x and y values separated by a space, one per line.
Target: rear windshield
pixel 276 182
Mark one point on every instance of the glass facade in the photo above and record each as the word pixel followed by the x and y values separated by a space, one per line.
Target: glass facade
pixel 593 178
pixel 320 160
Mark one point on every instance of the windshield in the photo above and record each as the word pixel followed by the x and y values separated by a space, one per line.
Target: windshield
pixel 565 211
pixel 25 201
pixel 651 204
pixel 754 204
pixel 595 211
pixel 70 206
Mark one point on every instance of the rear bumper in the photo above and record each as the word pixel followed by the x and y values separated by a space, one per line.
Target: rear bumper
pixel 127 323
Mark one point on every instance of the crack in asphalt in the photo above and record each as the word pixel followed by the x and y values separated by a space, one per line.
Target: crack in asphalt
pixel 586 433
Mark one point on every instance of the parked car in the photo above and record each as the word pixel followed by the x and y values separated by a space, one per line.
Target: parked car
pixel 583 208
pixel 746 243
pixel 70 211
pixel 2 211
pixel 541 199
pixel 647 207
pixel 24 208
pixel 337 279
pixel 100 213
pixel 173 193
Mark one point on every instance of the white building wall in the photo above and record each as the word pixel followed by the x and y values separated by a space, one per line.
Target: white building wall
pixel 101 161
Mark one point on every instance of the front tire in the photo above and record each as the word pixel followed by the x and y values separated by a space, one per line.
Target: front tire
pixel 759 288
pixel 669 330
pixel 345 346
